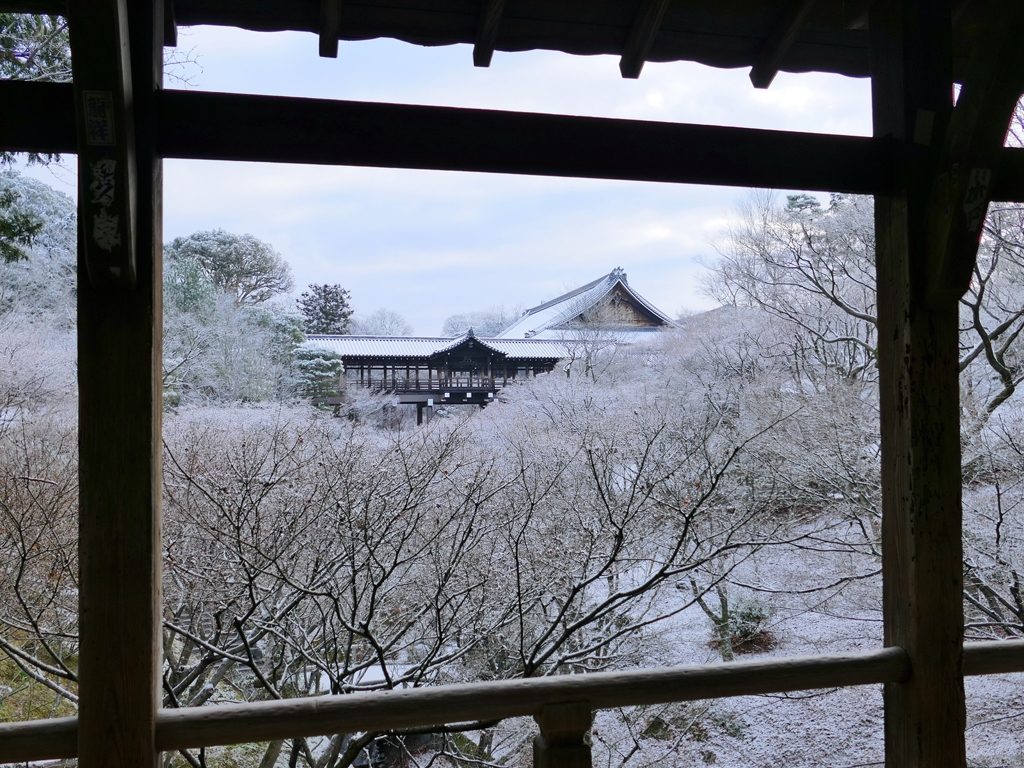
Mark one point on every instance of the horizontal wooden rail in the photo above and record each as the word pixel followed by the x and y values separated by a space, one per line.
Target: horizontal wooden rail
pixel 409 708
pixel 993 657
pixel 39 117
pixel 406 708
pixel 386 710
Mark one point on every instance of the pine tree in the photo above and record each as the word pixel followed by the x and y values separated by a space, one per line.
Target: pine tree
pixel 325 309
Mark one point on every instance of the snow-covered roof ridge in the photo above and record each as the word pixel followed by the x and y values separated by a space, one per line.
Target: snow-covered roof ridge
pixel 422 347
pixel 569 306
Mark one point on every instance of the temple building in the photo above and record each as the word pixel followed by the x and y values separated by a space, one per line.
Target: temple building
pixel 430 372
pixel 607 306
pixel 934 164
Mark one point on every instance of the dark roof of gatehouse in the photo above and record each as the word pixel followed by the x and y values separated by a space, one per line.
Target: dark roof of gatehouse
pixel 423 348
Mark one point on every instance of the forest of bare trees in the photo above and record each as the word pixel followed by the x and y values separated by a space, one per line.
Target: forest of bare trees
pixel 711 495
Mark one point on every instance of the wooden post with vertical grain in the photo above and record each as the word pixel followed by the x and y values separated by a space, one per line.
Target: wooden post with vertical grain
pixel 117 60
pixel 918 372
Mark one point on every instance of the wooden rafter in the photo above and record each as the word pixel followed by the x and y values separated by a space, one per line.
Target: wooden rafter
pixel 329 28
pixel 969 163
pixel 487 31
pixel 777 46
pixel 170 25
pixel 641 37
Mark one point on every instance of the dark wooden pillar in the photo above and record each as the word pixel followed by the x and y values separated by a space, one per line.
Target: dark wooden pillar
pixel 119 363
pixel 918 372
pixel 562 741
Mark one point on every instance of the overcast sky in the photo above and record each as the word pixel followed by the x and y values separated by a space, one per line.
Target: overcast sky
pixel 430 244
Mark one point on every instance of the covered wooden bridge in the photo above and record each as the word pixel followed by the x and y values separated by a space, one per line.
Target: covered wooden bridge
pixel 431 372
pixel 932 166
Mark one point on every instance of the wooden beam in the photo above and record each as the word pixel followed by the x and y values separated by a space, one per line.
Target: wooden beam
pixel 922 557
pixel 120 403
pixel 330 28
pixel 106 139
pixel 993 657
pixel 775 48
pixel 197 726
pixel 48 7
pixel 1008 185
pixel 969 163
pixel 57 738
pixel 641 37
pixel 487 31
pixel 170 25
pixel 39 117
pixel 276 129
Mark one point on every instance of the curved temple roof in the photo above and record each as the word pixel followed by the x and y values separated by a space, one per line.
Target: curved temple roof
pixel 553 319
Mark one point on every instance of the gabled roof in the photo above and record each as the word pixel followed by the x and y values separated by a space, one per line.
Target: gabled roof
pixel 548 320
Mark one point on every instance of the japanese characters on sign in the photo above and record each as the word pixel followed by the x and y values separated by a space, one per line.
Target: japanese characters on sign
pixel 99 118
pixel 102 181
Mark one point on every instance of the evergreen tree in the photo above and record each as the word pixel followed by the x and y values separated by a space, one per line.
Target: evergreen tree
pixel 17 228
pixel 240 265
pixel 325 309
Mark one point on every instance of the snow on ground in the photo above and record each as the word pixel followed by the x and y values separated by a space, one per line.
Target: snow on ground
pixel 842 728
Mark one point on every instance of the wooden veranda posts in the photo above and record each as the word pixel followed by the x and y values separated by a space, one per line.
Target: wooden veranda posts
pixel 912 91
pixel 932 168
pixel 925 253
pixel 119 384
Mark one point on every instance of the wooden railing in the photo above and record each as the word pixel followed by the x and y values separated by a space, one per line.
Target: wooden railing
pixel 454 384
pixel 552 701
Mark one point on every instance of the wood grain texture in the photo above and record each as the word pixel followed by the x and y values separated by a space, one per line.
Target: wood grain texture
pixel 491 12
pixel 641 37
pixel 968 165
pixel 773 51
pixel 106 139
pixel 919 389
pixel 52 739
pixel 209 726
pixel 120 404
pixel 995 657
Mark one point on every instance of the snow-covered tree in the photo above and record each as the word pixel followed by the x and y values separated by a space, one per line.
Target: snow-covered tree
pixel 240 265
pixel 381 322
pixel 487 322
pixel 325 309
pixel 813 267
pixel 43 282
